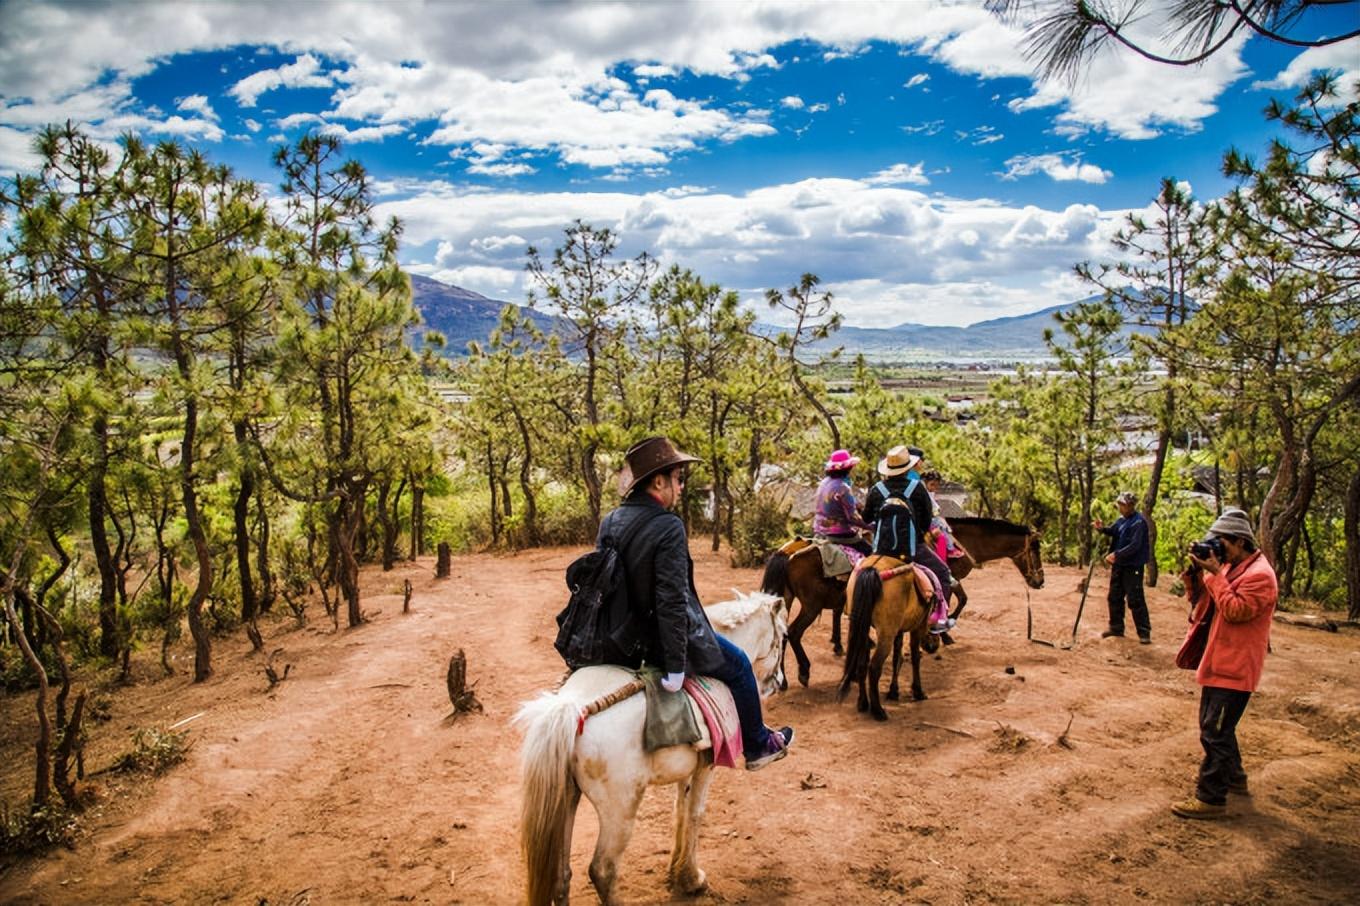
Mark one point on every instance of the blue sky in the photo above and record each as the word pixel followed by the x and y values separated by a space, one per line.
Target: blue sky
pixel 904 151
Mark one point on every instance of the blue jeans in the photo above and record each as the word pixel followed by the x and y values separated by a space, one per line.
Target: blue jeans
pixel 736 672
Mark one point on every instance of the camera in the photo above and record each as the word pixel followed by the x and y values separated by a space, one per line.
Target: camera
pixel 1209 547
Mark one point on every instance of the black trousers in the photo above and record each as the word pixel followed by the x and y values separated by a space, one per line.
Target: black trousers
pixel 1127 582
pixel 1219 711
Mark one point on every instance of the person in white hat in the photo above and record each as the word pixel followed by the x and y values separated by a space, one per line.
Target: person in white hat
pixel 1236 594
pixel 901 509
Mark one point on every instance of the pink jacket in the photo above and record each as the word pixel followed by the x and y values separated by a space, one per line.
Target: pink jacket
pixel 1244 596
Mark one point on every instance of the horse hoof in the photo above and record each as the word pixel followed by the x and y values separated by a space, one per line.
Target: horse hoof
pixel 838 651
pixel 695 885
pixel 893 695
pixel 880 715
pixel 946 638
pixel 862 707
pixel 784 684
pixel 803 677
pixel 918 695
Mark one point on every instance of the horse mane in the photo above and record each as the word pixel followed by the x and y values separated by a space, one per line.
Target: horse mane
pixel 731 614
pixel 987 523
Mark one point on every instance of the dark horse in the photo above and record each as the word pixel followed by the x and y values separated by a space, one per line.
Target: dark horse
pixel 795 571
pixel 991 539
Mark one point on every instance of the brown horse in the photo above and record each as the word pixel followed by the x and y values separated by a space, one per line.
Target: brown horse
pixel 991 539
pixel 892 607
pixel 795 571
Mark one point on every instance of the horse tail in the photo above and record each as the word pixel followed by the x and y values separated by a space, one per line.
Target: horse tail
pixel 776 578
pixel 863 598
pixel 547 789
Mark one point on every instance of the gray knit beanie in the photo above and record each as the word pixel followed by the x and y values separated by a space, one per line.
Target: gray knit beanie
pixel 1233 522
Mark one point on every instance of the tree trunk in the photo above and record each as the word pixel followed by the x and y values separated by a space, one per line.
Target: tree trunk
pixel 42 779
pixel 241 529
pixel 442 565
pixel 417 519
pixel 98 506
pixel 262 552
pixel 1352 533
pixel 197 533
pixel 389 539
pixel 1150 497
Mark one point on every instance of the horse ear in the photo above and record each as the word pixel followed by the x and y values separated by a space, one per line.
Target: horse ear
pixel 1037 526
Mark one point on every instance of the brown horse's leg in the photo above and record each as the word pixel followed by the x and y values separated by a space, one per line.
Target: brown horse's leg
pixel 917 693
pixel 894 693
pixel 836 597
pixel 962 597
pixel 875 675
pixel 806 614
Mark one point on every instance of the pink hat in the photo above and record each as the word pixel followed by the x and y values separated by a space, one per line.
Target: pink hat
pixel 841 459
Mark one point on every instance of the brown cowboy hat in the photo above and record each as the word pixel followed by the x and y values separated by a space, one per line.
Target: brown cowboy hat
pixel 647 457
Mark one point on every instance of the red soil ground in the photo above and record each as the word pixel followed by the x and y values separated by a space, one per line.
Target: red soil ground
pixel 348 782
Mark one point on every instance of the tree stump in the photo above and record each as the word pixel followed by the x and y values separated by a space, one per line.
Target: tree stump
pixel 441 569
pixel 463 698
pixel 406 596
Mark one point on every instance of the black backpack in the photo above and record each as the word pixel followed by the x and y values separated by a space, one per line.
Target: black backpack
pixel 895 531
pixel 597 626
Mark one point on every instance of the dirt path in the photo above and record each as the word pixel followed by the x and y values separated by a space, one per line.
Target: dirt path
pixel 348 784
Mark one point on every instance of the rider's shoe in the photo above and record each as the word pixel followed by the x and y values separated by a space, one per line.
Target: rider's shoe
pixel 777 744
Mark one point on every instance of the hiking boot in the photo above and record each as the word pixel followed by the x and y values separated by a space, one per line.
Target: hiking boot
pixel 1197 808
pixel 1112 634
pixel 1239 786
pixel 777 744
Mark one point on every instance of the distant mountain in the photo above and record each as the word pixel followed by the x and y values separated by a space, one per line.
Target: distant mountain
pixel 463 316
pixel 1019 337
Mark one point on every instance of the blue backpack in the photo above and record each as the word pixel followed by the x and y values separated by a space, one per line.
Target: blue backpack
pixel 895 531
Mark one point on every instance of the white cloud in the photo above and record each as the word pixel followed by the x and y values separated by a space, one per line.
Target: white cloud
pixel 197 103
pixel 298 119
pixel 989 259
pixel 900 174
pixel 919 79
pixel 1057 167
pixel 536 75
pixel 16 152
pixel 650 71
pixel 792 102
pixel 362 134
pixel 304 72
pixel 252 125
pixel 819 108
pixel 1344 56
pixel 500 169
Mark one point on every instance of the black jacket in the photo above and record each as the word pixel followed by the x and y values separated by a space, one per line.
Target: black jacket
pixel 677 636
pixel 922 510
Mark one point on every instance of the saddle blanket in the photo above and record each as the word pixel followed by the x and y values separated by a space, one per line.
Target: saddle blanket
pixel 673 720
pixel 837 559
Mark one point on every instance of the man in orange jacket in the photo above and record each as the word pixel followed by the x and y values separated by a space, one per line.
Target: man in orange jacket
pixel 1242 589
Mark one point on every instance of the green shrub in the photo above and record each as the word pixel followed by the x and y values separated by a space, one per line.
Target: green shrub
pixel 35 831
pixel 760 524
pixel 154 751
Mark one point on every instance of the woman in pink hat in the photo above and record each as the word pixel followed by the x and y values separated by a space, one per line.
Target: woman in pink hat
pixel 836 516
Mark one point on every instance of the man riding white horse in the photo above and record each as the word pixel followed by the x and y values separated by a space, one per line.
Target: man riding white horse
pixel 676 635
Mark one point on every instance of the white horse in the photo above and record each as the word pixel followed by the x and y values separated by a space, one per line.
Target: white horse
pixel 607 762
